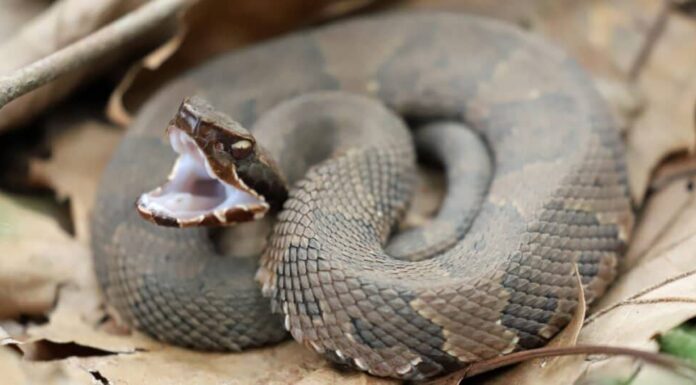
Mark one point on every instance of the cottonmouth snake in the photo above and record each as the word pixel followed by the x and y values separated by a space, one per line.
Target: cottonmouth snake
pixel 504 280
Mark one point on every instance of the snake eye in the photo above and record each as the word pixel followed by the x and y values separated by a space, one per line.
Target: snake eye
pixel 241 149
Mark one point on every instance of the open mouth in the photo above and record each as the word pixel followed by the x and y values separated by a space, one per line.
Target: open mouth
pixel 195 196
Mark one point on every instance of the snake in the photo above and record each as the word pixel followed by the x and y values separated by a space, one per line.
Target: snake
pixel 338 116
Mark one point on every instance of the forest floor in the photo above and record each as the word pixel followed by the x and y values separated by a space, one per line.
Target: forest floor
pixel 54 325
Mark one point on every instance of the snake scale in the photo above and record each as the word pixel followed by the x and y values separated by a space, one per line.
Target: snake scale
pixel 484 278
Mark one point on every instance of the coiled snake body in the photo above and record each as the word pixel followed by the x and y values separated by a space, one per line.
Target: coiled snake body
pixel 499 273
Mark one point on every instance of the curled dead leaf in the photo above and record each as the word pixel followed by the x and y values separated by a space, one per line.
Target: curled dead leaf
pixel 212 27
pixel 15 13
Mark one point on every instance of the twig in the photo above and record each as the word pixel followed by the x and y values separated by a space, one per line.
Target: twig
pixel 680 367
pixel 654 33
pixel 89 49
pixel 664 361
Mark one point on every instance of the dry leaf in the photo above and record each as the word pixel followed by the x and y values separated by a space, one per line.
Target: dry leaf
pixel 215 26
pixel 137 359
pixel 288 363
pixel 79 153
pixel 670 218
pixel 79 318
pixel 10 366
pixel 140 360
pixel 605 36
pixel 38 256
pixel 674 262
pixel 638 374
pixel 678 167
pixel 16 371
pixel 115 109
pixel 647 315
pixel 668 82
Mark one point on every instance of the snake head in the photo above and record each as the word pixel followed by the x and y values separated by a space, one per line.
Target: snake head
pixel 221 176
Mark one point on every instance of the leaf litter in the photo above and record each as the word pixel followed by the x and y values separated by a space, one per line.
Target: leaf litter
pixel 81 340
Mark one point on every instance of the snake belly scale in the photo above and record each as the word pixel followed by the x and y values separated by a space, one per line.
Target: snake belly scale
pixel 557 199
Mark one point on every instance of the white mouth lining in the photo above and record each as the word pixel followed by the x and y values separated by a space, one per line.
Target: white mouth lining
pixel 193 191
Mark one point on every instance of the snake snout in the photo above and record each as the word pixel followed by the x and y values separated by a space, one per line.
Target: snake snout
pixel 196 195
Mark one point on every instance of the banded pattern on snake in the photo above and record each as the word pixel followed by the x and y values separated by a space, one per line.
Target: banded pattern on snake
pixel 493 273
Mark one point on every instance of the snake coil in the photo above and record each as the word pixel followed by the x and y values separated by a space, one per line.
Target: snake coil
pixel 500 273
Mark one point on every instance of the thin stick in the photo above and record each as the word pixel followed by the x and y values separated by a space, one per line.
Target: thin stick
pixel 668 362
pixel 656 29
pixel 89 49
pixel 678 366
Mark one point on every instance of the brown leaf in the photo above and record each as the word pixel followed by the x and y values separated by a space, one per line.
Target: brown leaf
pixel 678 167
pixel 79 318
pixel 79 154
pixel 16 371
pixel 648 299
pixel 646 315
pixel 634 374
pixel 216 26
pixel 668 82
pixel 115 109
pixel 669 217
pixel 77 322
pixel 10 365
pixel 288 363
pixel 38 256
pixel 140 360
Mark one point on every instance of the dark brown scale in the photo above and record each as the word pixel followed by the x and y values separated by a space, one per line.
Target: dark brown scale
pixel 557 198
